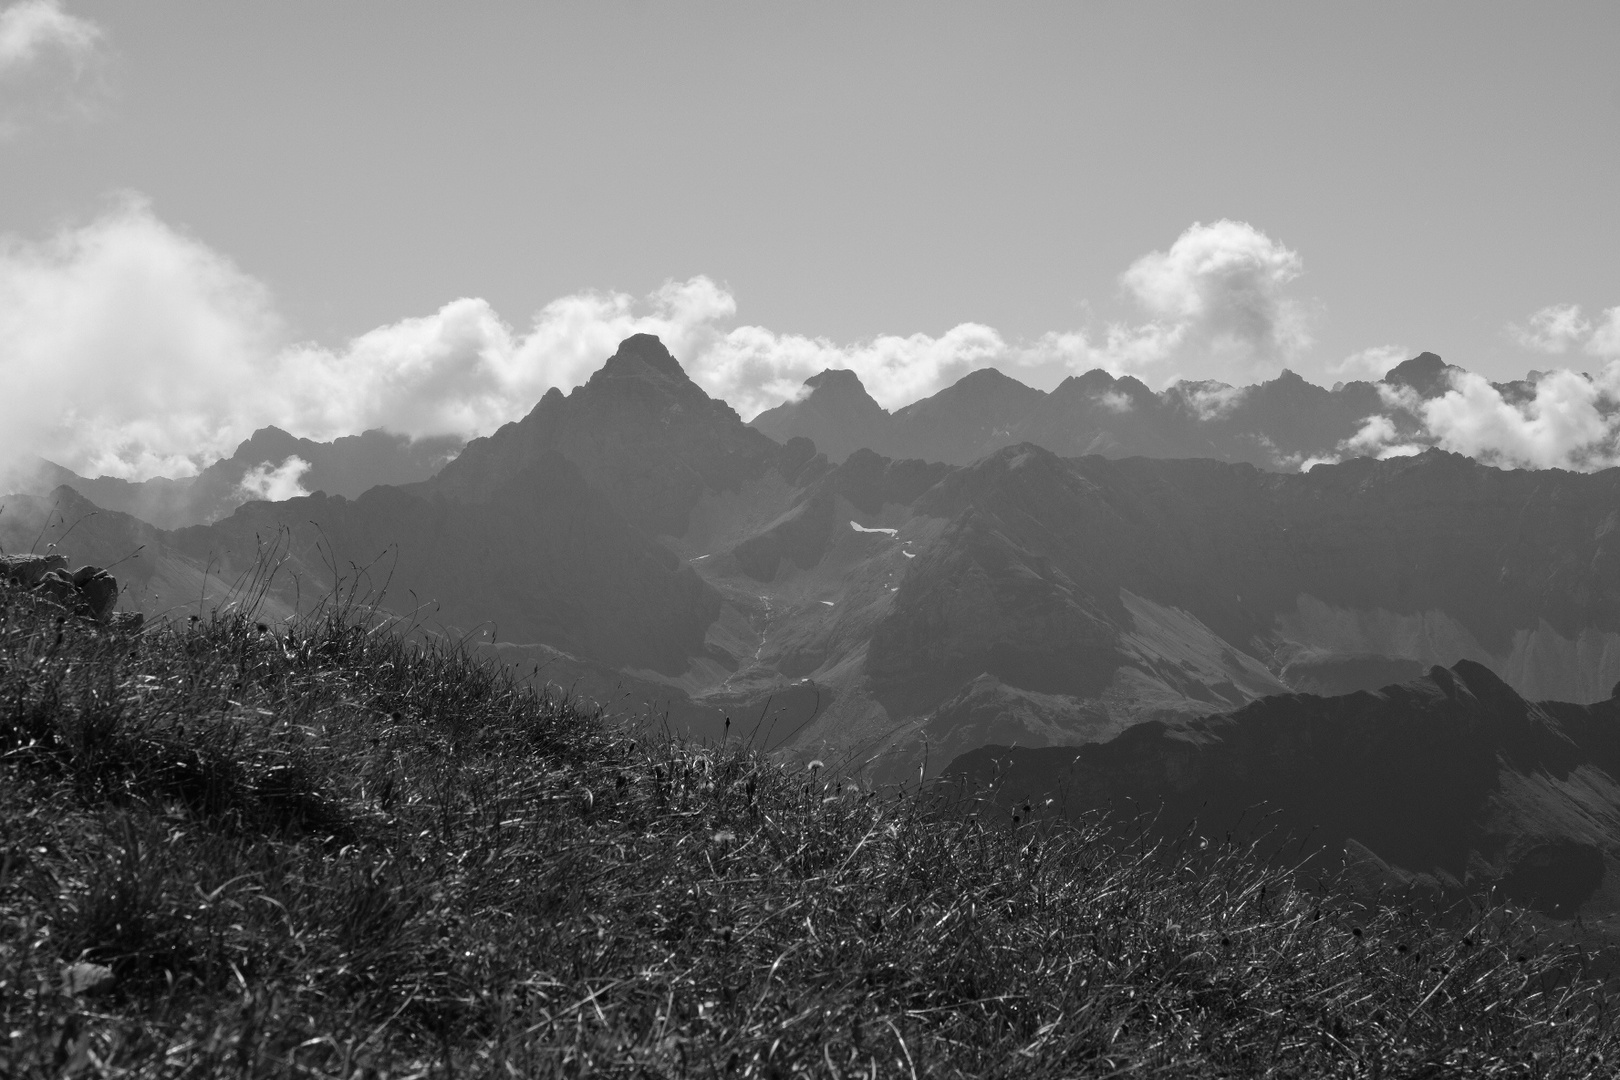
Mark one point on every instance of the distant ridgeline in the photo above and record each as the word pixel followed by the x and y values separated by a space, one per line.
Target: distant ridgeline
pixel 1282 424
pixel 635 541
pixel 265 465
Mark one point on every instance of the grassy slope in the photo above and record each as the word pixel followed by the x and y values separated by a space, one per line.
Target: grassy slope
pixel 335 852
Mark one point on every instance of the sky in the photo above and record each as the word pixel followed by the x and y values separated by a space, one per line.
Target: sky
pixel 420 216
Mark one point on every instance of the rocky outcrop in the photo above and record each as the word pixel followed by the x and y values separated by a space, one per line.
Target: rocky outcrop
pixel 88 591
pixel 27 571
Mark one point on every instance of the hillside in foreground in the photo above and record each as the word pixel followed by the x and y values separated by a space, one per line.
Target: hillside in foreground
pixel 327 848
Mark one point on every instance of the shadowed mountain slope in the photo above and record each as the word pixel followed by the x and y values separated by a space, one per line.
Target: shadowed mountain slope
pixel 1452 780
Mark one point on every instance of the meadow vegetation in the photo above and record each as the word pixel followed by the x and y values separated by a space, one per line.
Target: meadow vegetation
pixel 335 848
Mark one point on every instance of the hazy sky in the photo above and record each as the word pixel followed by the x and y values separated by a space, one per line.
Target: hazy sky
pixel 319 180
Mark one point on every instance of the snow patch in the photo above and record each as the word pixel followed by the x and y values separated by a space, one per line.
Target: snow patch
pixel 858 527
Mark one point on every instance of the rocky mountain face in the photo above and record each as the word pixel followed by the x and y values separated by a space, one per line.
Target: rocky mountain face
pixel 639 432
pixel 1273 425
pixel 345 466
pixel 1450 783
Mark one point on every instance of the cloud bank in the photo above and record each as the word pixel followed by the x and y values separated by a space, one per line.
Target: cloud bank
pixel 1563 420
pixel 134 349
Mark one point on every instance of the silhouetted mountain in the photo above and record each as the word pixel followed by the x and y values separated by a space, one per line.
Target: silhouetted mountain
pixel 1451 780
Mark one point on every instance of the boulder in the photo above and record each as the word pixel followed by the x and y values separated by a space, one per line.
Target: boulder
pixel 88 591
pixel 26 571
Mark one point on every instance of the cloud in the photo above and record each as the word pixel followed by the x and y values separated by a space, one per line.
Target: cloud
pixel 1369 364
pixel 1553 329
pixel 1605 339
pixel 1571 422
pixel 1115 402
pixel 33 30
pixel 274 483
pixel 754 368
pixel 1219 292
pixel 1209 400
pixel 47 57
pixel 133 349
pixel 1380 438
pixel 130 348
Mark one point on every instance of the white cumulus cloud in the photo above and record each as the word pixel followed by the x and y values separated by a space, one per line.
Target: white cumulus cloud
pixel 1370 364
pixel 130 348
pixel 1605 339
pixel 1553 329
pixel 1571 423
pixel 1219 293
pixel 275 483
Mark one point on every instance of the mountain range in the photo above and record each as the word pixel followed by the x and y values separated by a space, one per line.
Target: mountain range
pixel 635 537
pixel 1282 424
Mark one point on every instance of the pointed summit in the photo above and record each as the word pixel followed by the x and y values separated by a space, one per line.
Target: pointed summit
pixel 640 355
pixel 966 420
pixel 840 381
pixel 639 431
pixel 838 415
pixel 1426 373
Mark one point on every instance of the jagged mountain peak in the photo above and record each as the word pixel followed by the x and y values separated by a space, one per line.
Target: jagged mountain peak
pixel 841 379
pixel 639 431
pixel 1094 381
pixel 640 355
pixel 1426 373
pixel 838 415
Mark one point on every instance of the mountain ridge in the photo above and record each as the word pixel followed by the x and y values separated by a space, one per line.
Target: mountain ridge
pixel 1283 424
pixel 1450 781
